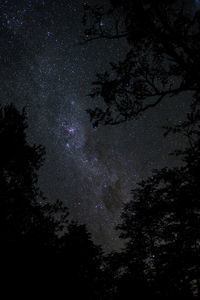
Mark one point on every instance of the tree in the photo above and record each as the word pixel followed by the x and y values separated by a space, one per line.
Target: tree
pixel 163 60
pixel 161 228
pixel 18 178
pixel 28 228
pixel 80 260
pixel 40 250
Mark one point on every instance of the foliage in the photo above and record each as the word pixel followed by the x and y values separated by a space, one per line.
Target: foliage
pixel 161 226
pixel 39 247
pixel 162 61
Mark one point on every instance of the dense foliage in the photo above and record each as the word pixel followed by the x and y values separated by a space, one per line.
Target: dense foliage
pixel 40 248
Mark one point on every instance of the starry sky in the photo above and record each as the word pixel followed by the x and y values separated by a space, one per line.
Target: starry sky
pixel 44 68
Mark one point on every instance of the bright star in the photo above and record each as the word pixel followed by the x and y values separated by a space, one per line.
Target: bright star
pixel 71 130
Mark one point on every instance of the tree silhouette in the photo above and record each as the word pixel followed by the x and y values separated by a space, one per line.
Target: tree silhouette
pixel 161 227
pixel 162 61
pixel 40 250
pixel 161 224
pixel 80 261
pixel 28 228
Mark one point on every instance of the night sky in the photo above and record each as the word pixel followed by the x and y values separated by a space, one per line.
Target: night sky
pixel 44 68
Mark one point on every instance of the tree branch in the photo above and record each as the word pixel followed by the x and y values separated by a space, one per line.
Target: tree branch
pixel 104 36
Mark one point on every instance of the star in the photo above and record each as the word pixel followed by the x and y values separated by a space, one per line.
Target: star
pixel 71 130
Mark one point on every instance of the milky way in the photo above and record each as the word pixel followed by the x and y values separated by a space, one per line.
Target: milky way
pixel 44 68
